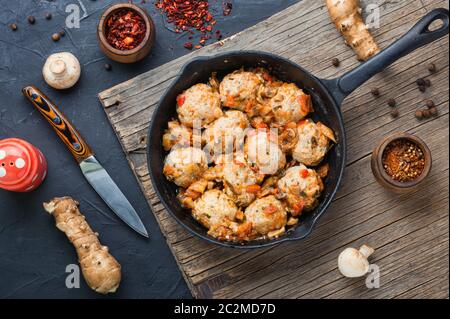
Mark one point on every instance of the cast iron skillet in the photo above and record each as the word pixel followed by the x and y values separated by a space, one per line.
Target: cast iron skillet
pixel 327 96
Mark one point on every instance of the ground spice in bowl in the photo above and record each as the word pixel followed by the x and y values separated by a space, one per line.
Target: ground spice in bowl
pixel 403 160
pixel 125 30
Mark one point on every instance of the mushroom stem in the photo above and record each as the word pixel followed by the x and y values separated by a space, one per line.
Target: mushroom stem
pixel 58 67
pixel 366 251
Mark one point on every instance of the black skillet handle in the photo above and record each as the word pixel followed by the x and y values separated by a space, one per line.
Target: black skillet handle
pixel 417 37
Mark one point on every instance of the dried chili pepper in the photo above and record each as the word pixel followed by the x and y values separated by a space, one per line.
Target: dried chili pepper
pixel 188 15
pixel 125 30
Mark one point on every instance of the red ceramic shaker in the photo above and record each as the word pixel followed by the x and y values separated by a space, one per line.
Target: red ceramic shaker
pixel 22 166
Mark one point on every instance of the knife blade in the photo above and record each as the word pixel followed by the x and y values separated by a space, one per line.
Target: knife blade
pixel 95 174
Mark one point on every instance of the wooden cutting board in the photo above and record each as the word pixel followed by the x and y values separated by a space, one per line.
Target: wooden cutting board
pixel 409 232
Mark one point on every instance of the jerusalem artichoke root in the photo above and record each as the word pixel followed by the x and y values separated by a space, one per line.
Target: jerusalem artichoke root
pixel 100 270
pixel 346 15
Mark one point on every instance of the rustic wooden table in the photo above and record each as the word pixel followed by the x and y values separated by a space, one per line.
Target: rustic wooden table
pixel 409 232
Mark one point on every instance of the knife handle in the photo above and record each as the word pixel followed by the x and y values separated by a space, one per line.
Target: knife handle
pixel 62 126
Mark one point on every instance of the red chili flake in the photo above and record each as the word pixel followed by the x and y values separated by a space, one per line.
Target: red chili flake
pixel 226 7
pixel 188 45
pixel 188 15
pixel 125 30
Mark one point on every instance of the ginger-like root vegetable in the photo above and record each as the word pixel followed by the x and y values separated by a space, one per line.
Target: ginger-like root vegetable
pixel 100 270
pixel 346 15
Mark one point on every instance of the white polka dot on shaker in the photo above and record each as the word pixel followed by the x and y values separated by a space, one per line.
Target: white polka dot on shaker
pixel 23 168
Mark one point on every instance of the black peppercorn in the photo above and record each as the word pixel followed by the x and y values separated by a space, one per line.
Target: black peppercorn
pixel 391 102
pixel 429 103
pixel 432 67
pixel 108 67
pixel 420 82
pixel 375 92
pixel 426 113
pixel 422 88
pixel 56 37
pixel 427 83
pixel 31 20
pixel 48 15
pixel 62 33
pixel 433 111
pixel 394 113
pixel 336 62
pixel 419 114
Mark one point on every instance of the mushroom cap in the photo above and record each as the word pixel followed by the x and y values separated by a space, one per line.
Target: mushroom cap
pixel 352 263
pixel 61 70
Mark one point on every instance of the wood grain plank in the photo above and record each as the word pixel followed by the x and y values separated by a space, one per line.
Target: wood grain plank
pixel 404 229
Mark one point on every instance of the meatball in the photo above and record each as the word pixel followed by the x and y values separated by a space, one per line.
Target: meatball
pixel 238 90
pixel 240 182
pixel 214 208
pixel 301 187
pixel 176 134
pixel 199 103
pixel 222 135
pixel 313 143
pixel 290 104
pixel 266 215
pixel 184 166
pixel 263 151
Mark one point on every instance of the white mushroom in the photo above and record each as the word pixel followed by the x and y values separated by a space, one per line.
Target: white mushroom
pixel 353 263
pixel 61 70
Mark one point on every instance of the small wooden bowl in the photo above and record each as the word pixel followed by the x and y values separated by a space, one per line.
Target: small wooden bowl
pixel 127 56
pixel 380 173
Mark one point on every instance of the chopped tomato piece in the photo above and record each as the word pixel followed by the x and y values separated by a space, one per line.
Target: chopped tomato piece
pixel 304 173
pixel 180 100
pixel 253 189
pixel 270 209
pixel 267 77
pixel 249 106
pixel 302 122
pixel 239 215
pixel 230 100
pixel 305 103
pixel 298 207
pixel 169 170
pixel 192 194
pixel 262 125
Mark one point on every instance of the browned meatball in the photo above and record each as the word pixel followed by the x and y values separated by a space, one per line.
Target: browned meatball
pixel 199 103
pixel 313 143
pixel 238 90
pixel 301 187
pixel 184 166
pixel 266 214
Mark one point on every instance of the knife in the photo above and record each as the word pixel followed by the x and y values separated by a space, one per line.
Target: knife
pixel 91 168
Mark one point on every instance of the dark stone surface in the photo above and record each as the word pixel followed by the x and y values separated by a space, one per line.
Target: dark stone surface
pixel 33 253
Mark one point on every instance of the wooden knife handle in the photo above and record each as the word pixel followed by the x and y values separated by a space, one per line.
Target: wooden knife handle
pixel 65 130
